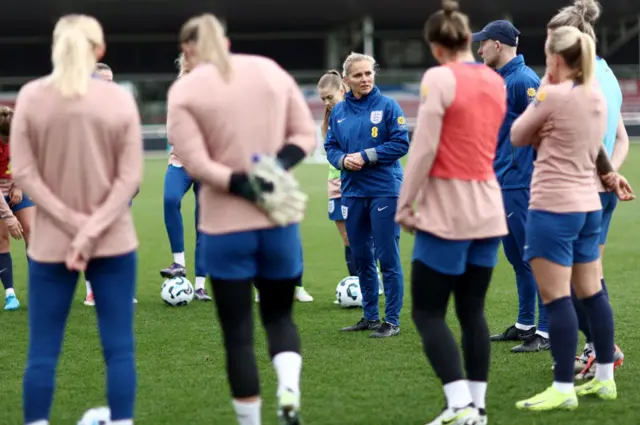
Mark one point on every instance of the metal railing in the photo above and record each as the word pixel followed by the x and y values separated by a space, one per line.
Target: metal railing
pixel 383 76
pixel 151 89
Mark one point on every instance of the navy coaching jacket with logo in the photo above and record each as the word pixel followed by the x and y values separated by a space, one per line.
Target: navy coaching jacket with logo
pixel 514 166
pixel 375 127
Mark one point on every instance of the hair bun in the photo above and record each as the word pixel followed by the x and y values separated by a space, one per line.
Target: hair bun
pixel 450 6
pixel 5 112
pixel 590 10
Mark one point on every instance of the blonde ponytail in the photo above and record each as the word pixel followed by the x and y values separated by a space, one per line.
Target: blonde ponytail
pixel 182 65
pixel 210 42
pixel 333 80
pixel 587 59
pixel 578 51
pixel 324 128
pixel 72 53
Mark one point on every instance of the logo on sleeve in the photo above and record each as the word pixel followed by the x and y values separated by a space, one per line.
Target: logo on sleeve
pixel 531 93
pixel 401 120
pixel 376 117
pixel 424 90
pixel 540 97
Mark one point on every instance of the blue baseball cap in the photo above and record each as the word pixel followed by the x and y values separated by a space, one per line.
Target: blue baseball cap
pixel 502 31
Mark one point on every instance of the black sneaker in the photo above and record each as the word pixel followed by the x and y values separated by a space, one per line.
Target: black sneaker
pixel 174 270
pixel 385 330
pixel 533 344
pixel 514 334
pixel 363 325
pixel 483 417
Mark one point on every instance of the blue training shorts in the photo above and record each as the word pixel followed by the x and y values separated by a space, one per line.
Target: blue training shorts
pixel 25 203
pixel 563 238
pixel 271 254
pixel 609 202
pixel 452 256
pixel 335 209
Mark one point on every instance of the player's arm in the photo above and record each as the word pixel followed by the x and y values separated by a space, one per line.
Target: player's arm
pixel 124 186
pixel 438 89
pixel 14 226
pixel 335 154
pixel 5 209
pixel 397 146
pixel 301 130
pixel 26 175
pixel 183 133
pixel 526 127
pixel 621 148
pixel 603 163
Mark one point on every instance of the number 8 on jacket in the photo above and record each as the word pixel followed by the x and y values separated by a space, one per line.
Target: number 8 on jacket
pixel 374 132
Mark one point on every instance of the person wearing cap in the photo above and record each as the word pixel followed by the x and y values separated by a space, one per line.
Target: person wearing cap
pixel 514 168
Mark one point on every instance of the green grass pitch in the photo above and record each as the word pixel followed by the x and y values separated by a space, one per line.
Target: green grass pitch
pixel 347 379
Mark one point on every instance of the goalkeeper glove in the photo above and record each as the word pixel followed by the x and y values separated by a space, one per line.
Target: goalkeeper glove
pixel 272 189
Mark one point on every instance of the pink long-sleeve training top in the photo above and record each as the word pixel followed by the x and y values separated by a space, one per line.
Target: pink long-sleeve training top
pixel 80 160
pixel 216 126
pixel 567 122
pixel 449 173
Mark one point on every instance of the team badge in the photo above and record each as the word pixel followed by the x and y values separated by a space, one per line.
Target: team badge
pixel 345 212
pixel 332 206
pixel 376 117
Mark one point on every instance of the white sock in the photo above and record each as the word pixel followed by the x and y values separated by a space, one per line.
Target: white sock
pixel 543 334
pixel 178 257
pixel 457 394
pixel 524 327
pixel 200 281
pixel 563 387
pixel 42 422
pixel 604 372
pixel 478 392
pixel 9 291
pixel 88 285
pixel 288 366
pixel 122 422
pixel 248 413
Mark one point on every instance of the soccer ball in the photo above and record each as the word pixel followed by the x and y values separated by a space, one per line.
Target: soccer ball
pixel 348 292
pixel 96 416
pixel 177 291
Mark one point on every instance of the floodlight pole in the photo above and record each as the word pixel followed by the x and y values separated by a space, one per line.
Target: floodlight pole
pixel 332 50
pixel 367 36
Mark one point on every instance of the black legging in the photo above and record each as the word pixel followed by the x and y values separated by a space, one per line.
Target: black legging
pixel 234 302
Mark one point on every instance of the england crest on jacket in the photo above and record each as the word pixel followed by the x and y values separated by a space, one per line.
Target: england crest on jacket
pixel 376 117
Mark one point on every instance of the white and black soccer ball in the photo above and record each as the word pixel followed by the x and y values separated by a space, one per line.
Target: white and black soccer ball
pixel 177 291
pixel 348 293
pixel 96 416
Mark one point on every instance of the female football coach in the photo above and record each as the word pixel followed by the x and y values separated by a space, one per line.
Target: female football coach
pixel 366 137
